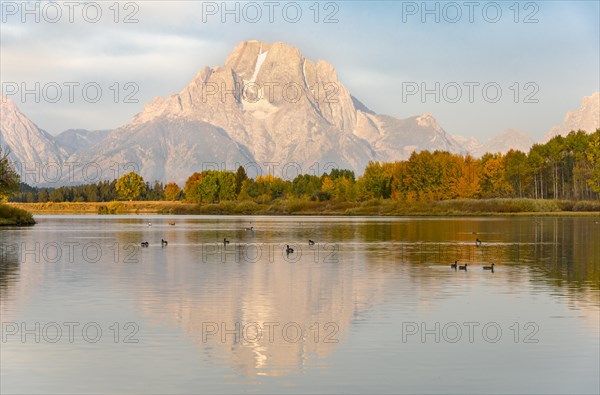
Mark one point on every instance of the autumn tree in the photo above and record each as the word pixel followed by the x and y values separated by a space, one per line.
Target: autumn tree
pixel 130 186
pixel 271 187
pixel 172 192
pixel 210 186
pixel 493 182
pixel 375 182
pixel 192 188
pixel 327 184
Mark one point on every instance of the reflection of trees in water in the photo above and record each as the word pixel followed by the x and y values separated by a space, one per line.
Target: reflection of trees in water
pixel 559 251
pixel 565 252
pixel 9 272
pixel 562 252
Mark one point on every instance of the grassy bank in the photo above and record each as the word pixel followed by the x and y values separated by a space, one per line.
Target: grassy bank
pixel 105 208
pixel 14 216
pixel 303 207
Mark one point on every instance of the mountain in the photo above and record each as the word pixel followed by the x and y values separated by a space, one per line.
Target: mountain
pixel 587 118
pixel 300 127
pixel 29 146
pixel 267 107
pixel 73 140
pixel 502 142
pixel 270 105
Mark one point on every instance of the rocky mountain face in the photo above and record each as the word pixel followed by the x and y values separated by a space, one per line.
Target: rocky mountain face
pixel 587 118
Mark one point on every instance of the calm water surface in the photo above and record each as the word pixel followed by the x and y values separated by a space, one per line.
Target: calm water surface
pixel 372 307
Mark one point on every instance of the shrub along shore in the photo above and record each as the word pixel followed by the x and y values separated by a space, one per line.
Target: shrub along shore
pixel 378 207
pixel 14 216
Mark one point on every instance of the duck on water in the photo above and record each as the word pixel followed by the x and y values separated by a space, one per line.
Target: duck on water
pixel 491 268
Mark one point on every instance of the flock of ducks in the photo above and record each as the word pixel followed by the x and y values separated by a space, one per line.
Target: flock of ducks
pixel 456 266
pixel 290 250
pixel 164 243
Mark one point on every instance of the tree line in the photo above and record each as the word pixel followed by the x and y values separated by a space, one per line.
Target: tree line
pixel 565 168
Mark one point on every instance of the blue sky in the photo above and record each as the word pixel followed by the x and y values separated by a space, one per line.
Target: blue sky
pixel 379 49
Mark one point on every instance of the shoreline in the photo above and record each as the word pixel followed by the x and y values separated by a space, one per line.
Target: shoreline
pixel 294 208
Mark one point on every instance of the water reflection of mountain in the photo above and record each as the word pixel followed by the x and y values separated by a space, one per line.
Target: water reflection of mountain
pixel 378 262
pixel 260 292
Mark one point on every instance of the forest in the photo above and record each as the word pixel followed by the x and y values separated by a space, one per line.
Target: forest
pixel 564 168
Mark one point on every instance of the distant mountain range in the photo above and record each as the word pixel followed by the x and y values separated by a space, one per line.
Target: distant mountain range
pixel 502 142
pixel 267 105
pixel 74 140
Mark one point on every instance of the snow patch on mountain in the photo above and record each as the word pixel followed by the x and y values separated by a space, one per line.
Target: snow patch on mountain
pixel 259 61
